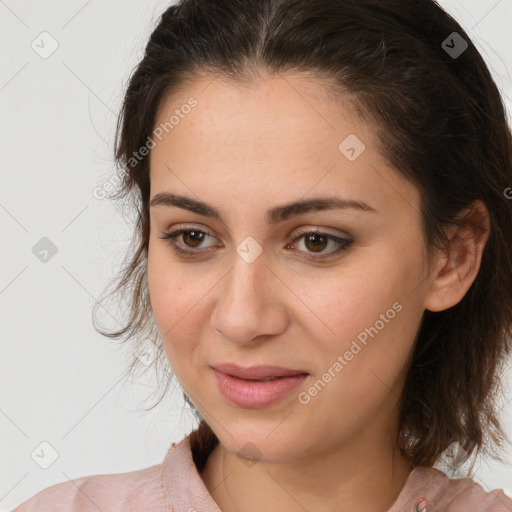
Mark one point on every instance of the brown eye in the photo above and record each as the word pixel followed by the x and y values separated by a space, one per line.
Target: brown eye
pixel 191 240
pixel 195 237
pixel 315 242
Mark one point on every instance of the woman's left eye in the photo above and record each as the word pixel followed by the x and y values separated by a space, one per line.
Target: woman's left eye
pixel 314 241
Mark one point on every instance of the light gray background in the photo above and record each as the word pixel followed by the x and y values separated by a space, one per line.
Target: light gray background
pixel 60 381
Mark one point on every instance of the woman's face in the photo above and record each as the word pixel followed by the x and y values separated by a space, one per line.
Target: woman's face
pixel 256 289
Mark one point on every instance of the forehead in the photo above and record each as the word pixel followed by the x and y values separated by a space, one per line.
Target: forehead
pixel 265 110
pixel 273 137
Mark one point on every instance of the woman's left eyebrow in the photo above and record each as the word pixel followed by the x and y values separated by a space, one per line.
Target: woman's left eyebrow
pixel 274 215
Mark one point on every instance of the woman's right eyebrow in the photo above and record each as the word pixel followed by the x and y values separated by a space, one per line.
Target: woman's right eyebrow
pixel 274 215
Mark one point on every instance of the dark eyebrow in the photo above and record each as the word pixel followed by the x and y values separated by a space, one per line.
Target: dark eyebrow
pixel 273 215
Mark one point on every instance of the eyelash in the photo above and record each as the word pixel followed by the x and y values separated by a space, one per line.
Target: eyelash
pixel 344 243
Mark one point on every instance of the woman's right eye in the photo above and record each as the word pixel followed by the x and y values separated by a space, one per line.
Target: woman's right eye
pixel 193 236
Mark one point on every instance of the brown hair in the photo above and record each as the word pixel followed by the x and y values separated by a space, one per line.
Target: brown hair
pixel 440 121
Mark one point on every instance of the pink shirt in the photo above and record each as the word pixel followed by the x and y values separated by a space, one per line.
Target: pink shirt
pixel 175 485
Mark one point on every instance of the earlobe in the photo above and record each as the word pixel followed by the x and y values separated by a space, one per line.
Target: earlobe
pixel 458 267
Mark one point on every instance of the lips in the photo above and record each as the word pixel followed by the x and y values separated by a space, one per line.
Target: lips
pixel 267 386
pixel 259 373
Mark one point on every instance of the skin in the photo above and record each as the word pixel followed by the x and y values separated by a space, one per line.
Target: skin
pixel 246 149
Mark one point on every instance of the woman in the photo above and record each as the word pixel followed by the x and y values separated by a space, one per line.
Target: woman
pixel 323 257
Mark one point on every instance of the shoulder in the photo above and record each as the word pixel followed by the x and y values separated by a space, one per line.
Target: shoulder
pixel 441 493
pixel 139 490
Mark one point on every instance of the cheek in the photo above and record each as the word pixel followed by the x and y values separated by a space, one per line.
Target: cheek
pixel 170 305
pixel 366 314
pixel 170 289
pixel 178 299
pixel 353 298
pixel 168 294
pixel 373 325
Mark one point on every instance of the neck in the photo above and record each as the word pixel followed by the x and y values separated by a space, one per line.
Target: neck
pixel 347 478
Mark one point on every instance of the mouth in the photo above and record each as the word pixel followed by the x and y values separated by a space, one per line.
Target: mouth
pixel 258 373
pixel 267 379
pixel 260 389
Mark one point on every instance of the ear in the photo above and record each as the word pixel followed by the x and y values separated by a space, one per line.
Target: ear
pixel 458 267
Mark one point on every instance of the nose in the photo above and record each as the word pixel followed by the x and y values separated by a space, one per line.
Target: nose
pixel 250 303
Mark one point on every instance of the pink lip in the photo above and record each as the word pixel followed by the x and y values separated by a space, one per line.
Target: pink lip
pixel 258 394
